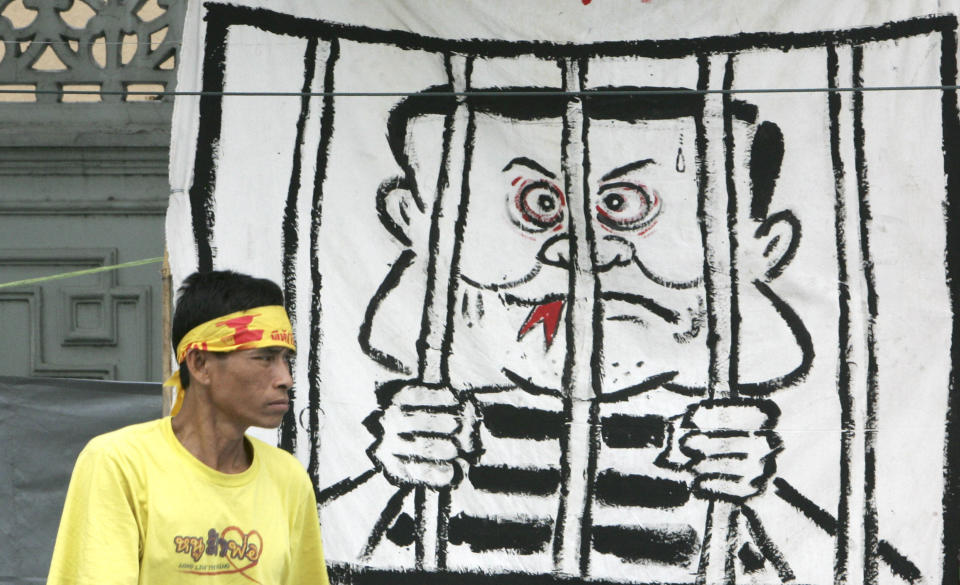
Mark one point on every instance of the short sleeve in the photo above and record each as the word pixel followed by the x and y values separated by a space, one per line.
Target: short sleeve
pixel 308 564
pixel 98 542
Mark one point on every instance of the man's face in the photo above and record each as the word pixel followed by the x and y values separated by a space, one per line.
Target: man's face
pixel 250 386
pixel 642 192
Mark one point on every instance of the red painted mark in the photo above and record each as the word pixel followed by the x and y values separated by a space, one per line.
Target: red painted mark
pixel 517 180
pixel 646 230
pixel 585 2
pixel 549 314
pixel 240 332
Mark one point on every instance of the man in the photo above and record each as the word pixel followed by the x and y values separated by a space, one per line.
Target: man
pixel 191 499
pixel 496 435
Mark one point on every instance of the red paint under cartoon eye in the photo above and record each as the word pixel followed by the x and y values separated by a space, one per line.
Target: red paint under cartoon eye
pixel 538 206
pixel 627 206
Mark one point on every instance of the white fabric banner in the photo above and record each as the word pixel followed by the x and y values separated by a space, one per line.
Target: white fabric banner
pixel 614 291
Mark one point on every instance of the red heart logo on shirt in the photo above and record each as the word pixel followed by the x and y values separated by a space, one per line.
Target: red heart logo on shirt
pixel 243 549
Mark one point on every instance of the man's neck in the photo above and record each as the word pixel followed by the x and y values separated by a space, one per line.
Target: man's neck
pixel 216 442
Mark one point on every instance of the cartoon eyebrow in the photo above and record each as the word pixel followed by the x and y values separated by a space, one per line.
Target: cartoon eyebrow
pixel 620 171
pixel 531 164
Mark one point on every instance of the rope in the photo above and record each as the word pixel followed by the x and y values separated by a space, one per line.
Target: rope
pixel 81 272
pixel 625 92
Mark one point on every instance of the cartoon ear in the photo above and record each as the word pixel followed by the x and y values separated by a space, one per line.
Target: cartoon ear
pixel 766 156
pixel 397 204
pixel 782 232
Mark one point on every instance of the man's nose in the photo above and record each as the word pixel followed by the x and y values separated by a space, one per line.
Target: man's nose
pixel 611 251
pixel 284 378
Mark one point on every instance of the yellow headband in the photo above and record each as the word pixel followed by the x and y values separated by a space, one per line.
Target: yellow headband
pixel 259 327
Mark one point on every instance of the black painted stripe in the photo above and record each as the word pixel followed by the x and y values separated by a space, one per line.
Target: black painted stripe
pixel 291 235
pixel 871 523
pixel 489 534
pixel 287 24
pixel 461 223
pixel 844 373
pixel 344 486
pixel 208 136
pixel 513 422
pixel 669 546
pixel 355 574
pixel 403 532
pixel 512 480
pixel 898 563
pixel 633 432
pixel 616 489
pixel 316 278
pixel 387 515
pixel 733 361
pixel 766 545
pixel 951 167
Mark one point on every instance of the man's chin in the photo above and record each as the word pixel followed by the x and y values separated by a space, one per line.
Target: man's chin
pixel 269 421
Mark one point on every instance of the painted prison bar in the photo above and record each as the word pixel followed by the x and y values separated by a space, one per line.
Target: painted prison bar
pixel 322 187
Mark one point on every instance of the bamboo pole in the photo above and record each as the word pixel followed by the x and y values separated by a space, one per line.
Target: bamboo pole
pixel 435 329
pixel 166 353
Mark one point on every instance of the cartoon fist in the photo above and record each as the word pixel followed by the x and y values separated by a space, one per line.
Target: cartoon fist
pixel 732 447
pixel 423 434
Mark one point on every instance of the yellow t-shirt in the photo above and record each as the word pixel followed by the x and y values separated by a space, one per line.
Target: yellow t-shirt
pixel 142 510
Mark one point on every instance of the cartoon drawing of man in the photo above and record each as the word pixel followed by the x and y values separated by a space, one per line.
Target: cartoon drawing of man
pixel 495 436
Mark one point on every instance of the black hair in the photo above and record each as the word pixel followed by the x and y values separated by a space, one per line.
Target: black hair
pixel 525 103
pixel 624 103
pixel 537 103
pixel 208 295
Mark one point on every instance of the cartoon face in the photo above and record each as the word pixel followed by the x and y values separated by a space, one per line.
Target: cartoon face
pixel 642 206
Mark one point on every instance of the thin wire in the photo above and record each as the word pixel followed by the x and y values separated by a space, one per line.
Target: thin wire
pixel 81 272
pixel 519 93
pixel 106 42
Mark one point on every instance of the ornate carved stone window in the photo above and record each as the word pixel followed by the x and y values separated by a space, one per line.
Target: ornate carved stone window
pixel 84 180
pixel 108 48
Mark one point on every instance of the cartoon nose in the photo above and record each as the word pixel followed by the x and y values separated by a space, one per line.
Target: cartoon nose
pixel 611 251
pixel 556 251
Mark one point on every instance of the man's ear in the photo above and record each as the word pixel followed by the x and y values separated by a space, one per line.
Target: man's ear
pixel 398 207
pixel 782 234
pixel 198 363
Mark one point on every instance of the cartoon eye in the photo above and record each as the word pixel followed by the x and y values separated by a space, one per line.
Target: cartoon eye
pixel 538 206
pixel 627 206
